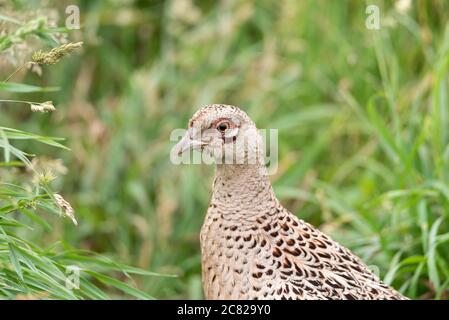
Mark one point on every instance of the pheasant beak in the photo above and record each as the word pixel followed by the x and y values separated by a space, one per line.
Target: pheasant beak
pixel 187 142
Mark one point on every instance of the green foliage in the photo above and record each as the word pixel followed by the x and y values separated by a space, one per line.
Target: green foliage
pixel 27 269
pixel 362 118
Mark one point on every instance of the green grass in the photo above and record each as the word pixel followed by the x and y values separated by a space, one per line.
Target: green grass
pixel 362 118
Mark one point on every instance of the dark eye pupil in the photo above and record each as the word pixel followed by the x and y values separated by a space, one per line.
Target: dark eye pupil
pixel 222 126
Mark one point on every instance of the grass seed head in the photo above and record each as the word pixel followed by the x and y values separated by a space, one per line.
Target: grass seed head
pixel 46 106
pixel 55 54
pixel 66 207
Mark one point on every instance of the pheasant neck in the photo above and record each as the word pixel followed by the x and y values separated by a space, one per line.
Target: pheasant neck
pixel 243 188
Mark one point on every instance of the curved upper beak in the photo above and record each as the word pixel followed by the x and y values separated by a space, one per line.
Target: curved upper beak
pixel 187 142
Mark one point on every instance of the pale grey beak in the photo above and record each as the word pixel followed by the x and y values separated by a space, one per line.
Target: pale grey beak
pixel 187 142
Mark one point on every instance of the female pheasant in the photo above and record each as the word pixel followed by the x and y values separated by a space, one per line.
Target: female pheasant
pixel 251 246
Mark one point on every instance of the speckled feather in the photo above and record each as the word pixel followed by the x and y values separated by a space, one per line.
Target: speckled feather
pixel 253 248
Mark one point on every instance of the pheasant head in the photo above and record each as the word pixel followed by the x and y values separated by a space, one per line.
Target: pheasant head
pixel 225 133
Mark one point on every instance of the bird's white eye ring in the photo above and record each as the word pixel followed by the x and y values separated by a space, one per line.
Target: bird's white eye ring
pixel 223 126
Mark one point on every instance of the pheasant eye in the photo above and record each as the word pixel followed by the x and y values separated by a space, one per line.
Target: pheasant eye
pixel 223 126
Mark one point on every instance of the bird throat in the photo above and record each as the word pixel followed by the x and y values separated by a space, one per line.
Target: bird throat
pixel 245 186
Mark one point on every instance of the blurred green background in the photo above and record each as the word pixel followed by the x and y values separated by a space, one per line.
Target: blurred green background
pixel 362 117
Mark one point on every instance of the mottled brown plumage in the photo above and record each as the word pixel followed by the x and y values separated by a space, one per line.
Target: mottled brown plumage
pixel 252 247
